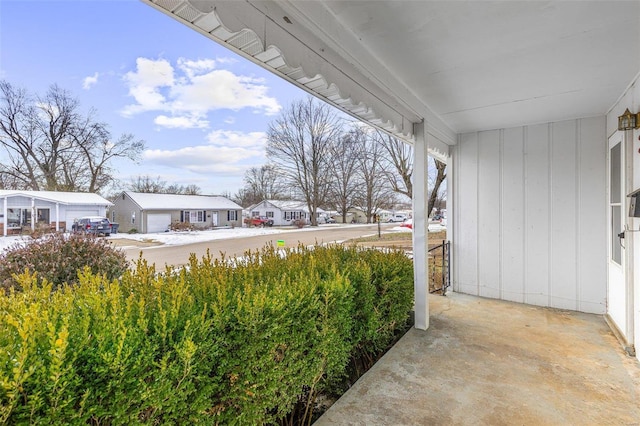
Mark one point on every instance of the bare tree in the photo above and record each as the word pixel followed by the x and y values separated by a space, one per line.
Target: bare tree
pixel 241 197
pixel 264 183
pixel 299 145
pixel 400 157
pixel 436 180
pixel 191 189
pixel 50 145
pixel 344 184
pixel 376 193
pixel 147 184
pixel 400 163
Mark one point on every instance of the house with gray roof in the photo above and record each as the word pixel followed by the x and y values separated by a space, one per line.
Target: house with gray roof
pixel 147 213
pixel 282 212
pixel 25 210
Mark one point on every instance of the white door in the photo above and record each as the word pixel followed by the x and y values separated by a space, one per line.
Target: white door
pixel 158 222
pixel 618 301
pixel 72 215
pixel 214 218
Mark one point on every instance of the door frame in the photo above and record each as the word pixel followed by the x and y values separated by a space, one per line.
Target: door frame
pixel 619 276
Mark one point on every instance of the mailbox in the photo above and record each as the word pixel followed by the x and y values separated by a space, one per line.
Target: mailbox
pixel 634 205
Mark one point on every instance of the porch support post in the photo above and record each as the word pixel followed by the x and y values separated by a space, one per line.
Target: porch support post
pixel 6 201
pixel 420 227
pixel 33 214
pixel 57 217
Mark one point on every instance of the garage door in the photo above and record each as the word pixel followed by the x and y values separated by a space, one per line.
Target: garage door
pixel 158 222
pixel 76 214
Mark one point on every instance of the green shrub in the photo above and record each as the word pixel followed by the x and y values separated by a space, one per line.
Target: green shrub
pixel 240 341
pixel 58 258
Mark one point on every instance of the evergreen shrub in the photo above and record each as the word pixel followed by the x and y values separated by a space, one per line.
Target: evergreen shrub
pixel 230 341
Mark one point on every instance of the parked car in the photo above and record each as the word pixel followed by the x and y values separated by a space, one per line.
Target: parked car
pixel 408 223
pixel 95 225
pixel 261 221
pixel 398 217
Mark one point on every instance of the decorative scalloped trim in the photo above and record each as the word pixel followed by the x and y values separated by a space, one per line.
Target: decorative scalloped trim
pixel 247 41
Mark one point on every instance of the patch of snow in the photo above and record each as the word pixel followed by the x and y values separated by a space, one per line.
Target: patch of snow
pixel 9 241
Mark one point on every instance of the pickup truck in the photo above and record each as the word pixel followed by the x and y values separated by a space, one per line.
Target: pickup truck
pixel 260 221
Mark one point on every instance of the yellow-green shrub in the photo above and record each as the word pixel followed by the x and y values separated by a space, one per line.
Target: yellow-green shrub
pixel 218 342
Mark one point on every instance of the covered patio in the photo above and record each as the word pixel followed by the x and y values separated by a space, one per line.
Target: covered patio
pixel 491 362
pixel 522 100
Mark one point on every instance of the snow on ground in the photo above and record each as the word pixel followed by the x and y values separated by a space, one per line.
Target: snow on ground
pixel 188 237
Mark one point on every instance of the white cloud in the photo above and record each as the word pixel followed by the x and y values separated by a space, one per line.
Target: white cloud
pixel 228 152
pixel 145 84
pixel 256 140
pixel 193 89
pixel 193 68
pixel 204 158
pixel 90 81
pixel 183 122
pixel 226 60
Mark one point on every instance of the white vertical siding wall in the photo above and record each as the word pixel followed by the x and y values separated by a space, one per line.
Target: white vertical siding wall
pixel 530 218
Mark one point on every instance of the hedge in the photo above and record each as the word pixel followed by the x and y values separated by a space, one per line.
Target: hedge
pixel 231 341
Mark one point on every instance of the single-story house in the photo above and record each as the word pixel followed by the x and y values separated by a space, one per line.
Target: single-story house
pixel 148 213
pixel 57 209
pixel 282 212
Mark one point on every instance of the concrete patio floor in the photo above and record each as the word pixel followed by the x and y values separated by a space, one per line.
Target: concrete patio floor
pixel 489 362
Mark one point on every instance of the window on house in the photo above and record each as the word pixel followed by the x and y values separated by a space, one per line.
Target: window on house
pixel 232 215
pixel 43 215
pixel 193 216
pixel 18 217
pixel 133 218
pixel 269 214
pixel 255 213
pixel 293 215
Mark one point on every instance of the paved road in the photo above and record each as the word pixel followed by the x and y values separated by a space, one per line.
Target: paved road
pixel 179 255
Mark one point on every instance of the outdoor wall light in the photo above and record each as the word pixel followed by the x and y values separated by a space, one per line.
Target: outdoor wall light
pixel 628 121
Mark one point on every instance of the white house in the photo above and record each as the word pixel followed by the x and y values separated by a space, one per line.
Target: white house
pixel 148 213
pixel 524 101
pixel 282 212
pixel 25 209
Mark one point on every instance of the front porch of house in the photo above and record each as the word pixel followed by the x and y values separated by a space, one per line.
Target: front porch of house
pixel 521 100
pixel 485 361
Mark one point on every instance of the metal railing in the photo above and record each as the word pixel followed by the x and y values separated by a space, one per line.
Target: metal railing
pixel 439 268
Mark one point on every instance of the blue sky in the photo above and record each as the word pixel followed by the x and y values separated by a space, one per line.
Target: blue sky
pixel 202 110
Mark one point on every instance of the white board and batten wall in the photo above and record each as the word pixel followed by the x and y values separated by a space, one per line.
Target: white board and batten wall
pixel 530 222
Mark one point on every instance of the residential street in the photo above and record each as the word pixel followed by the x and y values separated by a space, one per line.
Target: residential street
pixel 179 255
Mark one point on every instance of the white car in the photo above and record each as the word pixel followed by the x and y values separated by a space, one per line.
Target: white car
pixel 398 217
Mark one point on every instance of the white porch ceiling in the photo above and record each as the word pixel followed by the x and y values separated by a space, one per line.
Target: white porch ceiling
pixel 461 65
